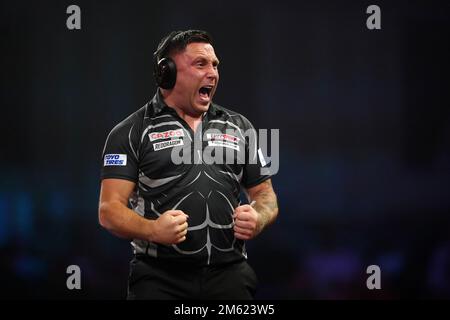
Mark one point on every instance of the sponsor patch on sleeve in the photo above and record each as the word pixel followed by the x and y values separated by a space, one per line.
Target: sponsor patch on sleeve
pixel 115 160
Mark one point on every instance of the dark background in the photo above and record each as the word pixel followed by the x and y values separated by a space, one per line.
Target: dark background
pixel 364 138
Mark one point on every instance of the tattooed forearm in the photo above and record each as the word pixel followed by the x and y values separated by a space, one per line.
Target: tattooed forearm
pixel 266 204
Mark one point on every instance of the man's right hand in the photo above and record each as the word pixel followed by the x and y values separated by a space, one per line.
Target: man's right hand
pixel 170 227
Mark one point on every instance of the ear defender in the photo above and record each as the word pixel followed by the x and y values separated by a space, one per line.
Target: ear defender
pixel 166 73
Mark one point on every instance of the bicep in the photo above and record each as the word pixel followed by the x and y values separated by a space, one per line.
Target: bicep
pixel 116 190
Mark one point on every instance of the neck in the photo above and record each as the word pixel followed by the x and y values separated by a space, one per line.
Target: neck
pixel 192 119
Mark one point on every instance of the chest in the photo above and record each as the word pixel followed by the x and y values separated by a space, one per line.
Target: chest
pixel 170 147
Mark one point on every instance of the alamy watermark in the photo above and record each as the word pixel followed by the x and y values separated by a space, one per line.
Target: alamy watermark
pixel 374 280
pixel 373 22
pixel 74 280
pixel 74 20
pixel 213 146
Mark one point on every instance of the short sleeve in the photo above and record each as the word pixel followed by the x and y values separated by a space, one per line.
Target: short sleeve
pixel 120 154
pixel 253 173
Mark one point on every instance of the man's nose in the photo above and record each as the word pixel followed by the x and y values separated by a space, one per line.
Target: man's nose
pixel 213 73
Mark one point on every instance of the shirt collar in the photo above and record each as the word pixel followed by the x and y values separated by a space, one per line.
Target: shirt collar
pixel 160 106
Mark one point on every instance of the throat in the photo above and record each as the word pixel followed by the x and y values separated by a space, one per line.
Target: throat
pixel 193 123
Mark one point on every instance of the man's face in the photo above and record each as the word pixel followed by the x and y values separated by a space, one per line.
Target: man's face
pixel 197 78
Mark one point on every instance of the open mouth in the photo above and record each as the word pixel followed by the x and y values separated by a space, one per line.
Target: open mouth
pixel 205 92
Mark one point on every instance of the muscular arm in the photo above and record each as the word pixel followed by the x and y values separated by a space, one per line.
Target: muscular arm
pixel 266 203
pixel 115 216
pixel 251 220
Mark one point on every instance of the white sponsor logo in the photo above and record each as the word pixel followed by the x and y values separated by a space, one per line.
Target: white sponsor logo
pixel 115 160
pixel 220 143
pixel 167 144
pixel 166 134
pixel 222 136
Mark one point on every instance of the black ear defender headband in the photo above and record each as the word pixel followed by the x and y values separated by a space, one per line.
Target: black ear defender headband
pixel 165 69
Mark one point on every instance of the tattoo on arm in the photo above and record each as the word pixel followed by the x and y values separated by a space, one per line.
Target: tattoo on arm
pixel 266 204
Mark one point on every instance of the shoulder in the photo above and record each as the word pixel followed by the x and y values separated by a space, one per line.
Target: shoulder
pixel 131 123
pixel 234 117
pixel 128 130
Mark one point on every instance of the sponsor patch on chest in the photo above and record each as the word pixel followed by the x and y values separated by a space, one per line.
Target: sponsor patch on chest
pixel 222 137
pixel 167 144
pixel 223 140
pixel 166 134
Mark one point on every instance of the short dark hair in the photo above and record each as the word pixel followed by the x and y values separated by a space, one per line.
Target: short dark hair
pixel 176 41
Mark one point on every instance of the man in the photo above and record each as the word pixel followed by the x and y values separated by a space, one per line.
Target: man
pixel 186 222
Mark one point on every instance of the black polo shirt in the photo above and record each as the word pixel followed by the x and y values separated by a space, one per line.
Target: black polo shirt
pixel 199 173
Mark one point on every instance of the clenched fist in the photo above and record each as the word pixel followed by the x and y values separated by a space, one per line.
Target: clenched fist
pixel 171 227
pixel 246 222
